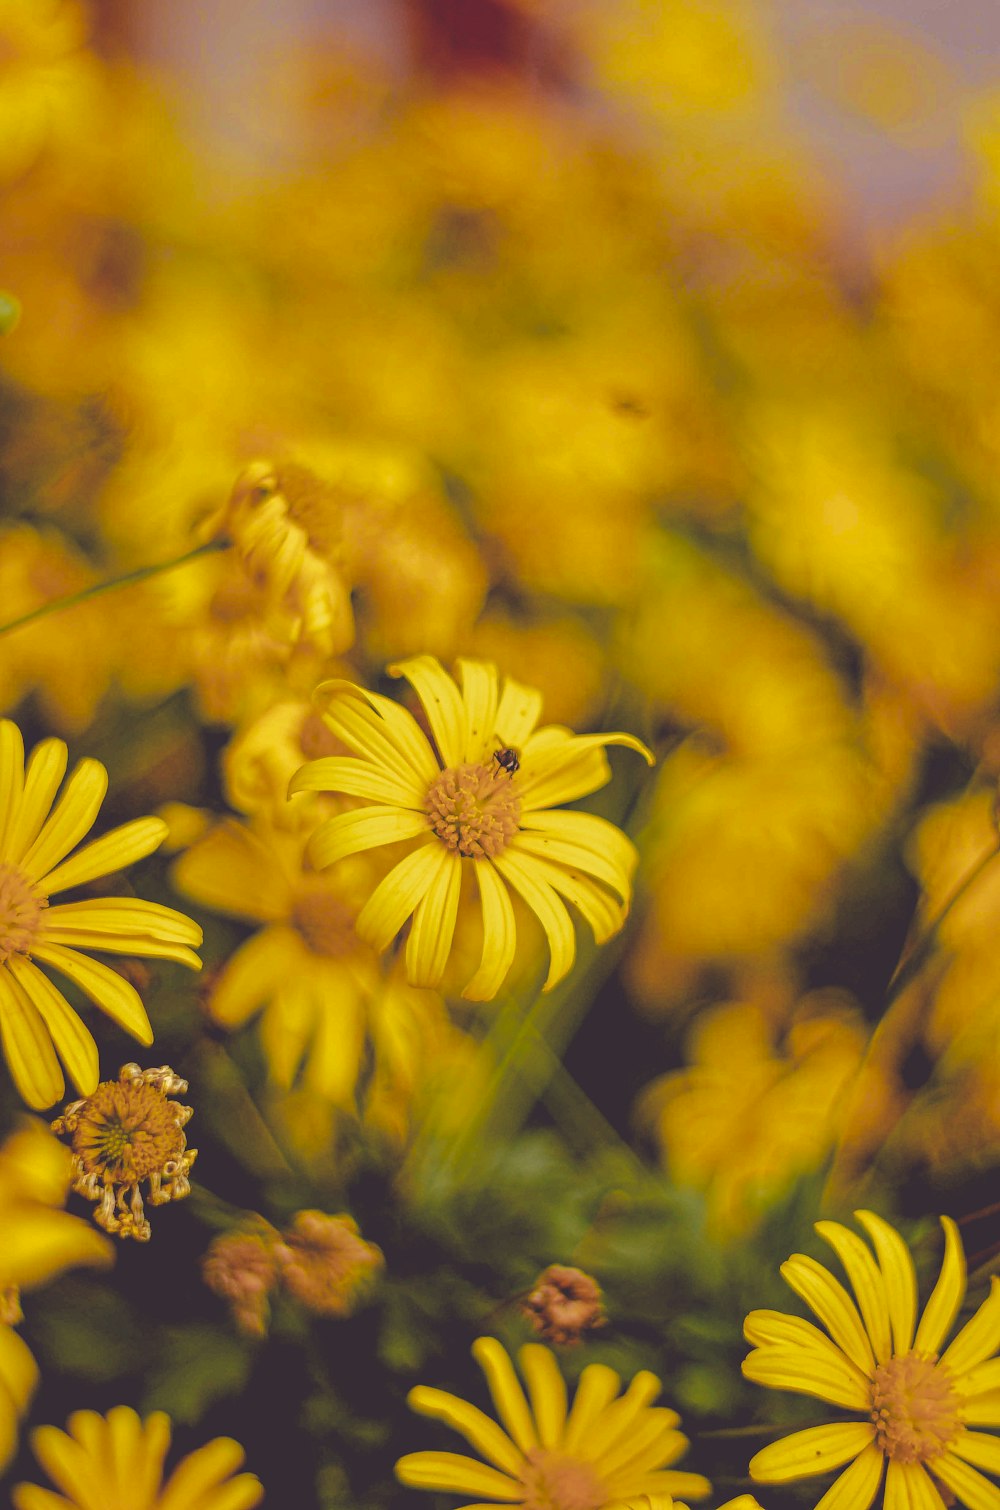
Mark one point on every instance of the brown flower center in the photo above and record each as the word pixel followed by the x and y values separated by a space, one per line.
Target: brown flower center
pixel 125 1132
pixel 324 922
pixel 914 1407
pixel 474 809
pixel 20 912
pixel 553 1482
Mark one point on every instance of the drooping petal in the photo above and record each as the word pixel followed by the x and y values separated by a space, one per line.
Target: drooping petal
pixel 518 711
pixel 368 828
pixel 598 1386
pixel 597 846
pixel 337 1054
pixel 519 872
pixel 114 850
pixel 979 1338
pixel 602 911
pixel 433 926
pixel 899 1276
pixel 105 987
pixel 966 1483
pixel 508 1396
pixel 866 1281
pixel 831 1304
pixel 72 1038
pixel 45 770
pixel 562 770
pixel 397 895
pixel 453 1473
pixel 480 689
pixel 442 702
pixel 546 1390
pixel 817 1449
pixel 27 1046
pixel 287 1028
pixel 358 778
pixel 499 935
pixel 947 1295
pixel 379 730
pixel 71 818
pixel 857 1486
pixel 475 1426
pixel 253 973
pixel 11 779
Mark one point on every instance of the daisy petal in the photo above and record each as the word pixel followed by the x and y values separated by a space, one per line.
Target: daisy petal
pixel 73 1040
pixel 899 1276
pixel 476 1427
pixel 562 847
pixel 978 1339
pixel 598 1386
pixel 377 729
pixel 620 1417
pixel 122 925
pixel 908 1487
pixel 520 872
pixel 829 1378
pixel 830 1302
pixel 547 1391
pixel 27 1047
pixel 45 770
pixel 499 935
pixel 455 1474
pixel 433 926
pixel 480 689
pixel 253 973
pixel 550 774
pixel 71 818
pixel 947 1295
pixel 866 1281
pixel 397 895
pixel 858 1485
pixel 198 1480
pixel 357 778
pixel 598 842
pixel 105 987
pixel 689 1486
pixel 286 1029
pixel 442 702
pixel 368 828
pixel 966 1483
pixel 338 1045
pixel 518 712
pixel 508 1396
pixel 653 1442
pixel 984 1377
pixel 232 871
pixel 11 778
pixel 113 851
pixel 979 1449
pixel 603 912
pixel 817 1449
pixel 982 1410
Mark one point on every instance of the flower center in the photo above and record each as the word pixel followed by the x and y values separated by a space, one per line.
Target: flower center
pixel 126 1131
pixel 20 911
pixel 553 1482
pixel 474 809
pixel 914 1407
pixel 325 922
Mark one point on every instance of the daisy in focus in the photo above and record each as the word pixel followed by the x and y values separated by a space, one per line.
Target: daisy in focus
pixel 116 1461
pixel 606 1450
pixel 484 800
pixel 36 838
pixel 919 1405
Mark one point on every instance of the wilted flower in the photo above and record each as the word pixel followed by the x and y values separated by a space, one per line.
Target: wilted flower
pixel 326 1263
pixel 241 1266
pixel 564 1303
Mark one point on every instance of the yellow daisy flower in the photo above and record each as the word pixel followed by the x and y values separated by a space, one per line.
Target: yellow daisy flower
pixel 483 801
pixel 917 1404
pixel 604 1452
pixel 35 863
pixel 116 1461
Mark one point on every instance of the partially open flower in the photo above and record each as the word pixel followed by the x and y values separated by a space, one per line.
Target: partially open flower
pixel 326 1263
pixel 564 1304
pixel 129 1133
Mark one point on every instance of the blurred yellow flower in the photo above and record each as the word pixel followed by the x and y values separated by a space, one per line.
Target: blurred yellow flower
pixel 116 1461
pixel 917 1404
pixel 757 1107
pixel 601 1455
pixel 35 863
pixel 47 79
pixel 483 800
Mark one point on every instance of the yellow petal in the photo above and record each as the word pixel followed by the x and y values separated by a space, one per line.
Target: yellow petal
pixel 546 1390
pixel 979 1449
pixel 357 778
pixel 653 1442
pixel 18 1369
pixel 829 1377
pixel 520 872
pixel 196 1479
pixel 899 1276
pixel 830 1302
pixel 857 1486
pixel 619 1419
pixel 115 850
pixel 71 818
pixel 593 843
pixel 866 1281
pixel 947 1295
pixel 147 1467
pixel 818 1449
pixel 72 1038
pixel 480 689
pixel 979 1338
pixel 124 926
pixel 286 1029
pixel 499 934
pixel 966 1483
pixel 41 1245
pixel 337 1054
pixel 76 1471
pixel 27 1046
pixel 456 1474
pixel 477 1428
pixel 599 908
pixel 105 987
pixel 232 871
pixel 518 711
pixel 598 1386
pixel 379 730
pixel 253 973
pixel 397 895
pixel 45 770
pixel 692 1486
pixel 368 828
pixel 442 703
pixel 508 1396
pixel 11 779
pixel 433 926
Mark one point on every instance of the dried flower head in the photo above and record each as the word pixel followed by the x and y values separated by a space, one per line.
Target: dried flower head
pixel 241 1266
pixel 124 1135
pixel 563 1304
pixel 326 1264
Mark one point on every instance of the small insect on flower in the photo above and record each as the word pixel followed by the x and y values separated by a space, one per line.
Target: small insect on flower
pixel 507 760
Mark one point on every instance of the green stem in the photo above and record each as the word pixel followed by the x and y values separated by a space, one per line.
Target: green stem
pixel 140 574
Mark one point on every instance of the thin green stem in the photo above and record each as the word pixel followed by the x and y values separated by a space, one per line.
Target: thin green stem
pixel 95 590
